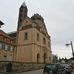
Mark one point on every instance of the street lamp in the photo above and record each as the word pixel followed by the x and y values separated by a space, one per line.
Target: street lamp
pixel 71 48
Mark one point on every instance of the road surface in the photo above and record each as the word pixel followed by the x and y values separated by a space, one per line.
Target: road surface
pixel 31 72
pixel 35 72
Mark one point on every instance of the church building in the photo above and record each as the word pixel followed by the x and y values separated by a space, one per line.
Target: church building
pixel 33 41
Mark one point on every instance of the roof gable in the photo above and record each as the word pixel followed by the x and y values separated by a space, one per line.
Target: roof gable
pixel 38 19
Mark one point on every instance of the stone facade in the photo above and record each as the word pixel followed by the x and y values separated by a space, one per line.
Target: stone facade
pixel 6 47
pixel 33 41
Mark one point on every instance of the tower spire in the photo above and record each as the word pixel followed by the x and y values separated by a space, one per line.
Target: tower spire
pixel 22 13
pixel 24 4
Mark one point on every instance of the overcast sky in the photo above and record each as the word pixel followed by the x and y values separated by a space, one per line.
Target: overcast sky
pixel 58 16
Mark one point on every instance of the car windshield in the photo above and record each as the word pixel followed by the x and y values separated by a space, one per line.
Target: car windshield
pixel 65 65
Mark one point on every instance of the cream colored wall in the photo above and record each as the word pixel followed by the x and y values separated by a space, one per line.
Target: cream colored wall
pixel 24 53
pixel 24 48
pixel 27 50
pixel 21 39
pixel 8 54
pixel 39 47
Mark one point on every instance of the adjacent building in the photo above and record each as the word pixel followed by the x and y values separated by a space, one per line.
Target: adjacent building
pixel 6 47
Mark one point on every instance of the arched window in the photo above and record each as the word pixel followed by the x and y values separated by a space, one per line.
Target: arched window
pixel 38 57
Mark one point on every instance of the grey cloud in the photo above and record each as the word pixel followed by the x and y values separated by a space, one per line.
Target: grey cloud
pixel 58 16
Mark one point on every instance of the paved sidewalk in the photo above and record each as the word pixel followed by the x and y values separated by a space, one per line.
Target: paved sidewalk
pixel 29 72
pixel 33 72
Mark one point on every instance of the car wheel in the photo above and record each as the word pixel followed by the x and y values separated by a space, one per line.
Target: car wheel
pixel 45 72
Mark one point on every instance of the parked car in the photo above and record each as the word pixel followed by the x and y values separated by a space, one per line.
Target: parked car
pixel 54 69
pixel 67 68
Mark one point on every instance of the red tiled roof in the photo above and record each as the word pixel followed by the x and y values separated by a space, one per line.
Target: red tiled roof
pixel 4 34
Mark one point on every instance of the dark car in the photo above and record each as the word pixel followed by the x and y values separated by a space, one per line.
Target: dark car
pixel 68 68
pixel 54 69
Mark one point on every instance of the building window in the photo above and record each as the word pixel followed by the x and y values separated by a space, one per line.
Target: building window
pixel 37 36
pixel 26 36
pixel 6 47
pixel 21 14
pixel 49 44
pixel 38 58
pixel 12 48
pixel 20 19
pixel 44 41
pixel 3 46
pixel 0 45
pixel 21 10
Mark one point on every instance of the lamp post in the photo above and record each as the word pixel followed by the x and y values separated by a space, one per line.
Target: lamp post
pixel 71 48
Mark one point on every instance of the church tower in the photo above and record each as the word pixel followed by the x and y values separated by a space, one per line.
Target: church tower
pixel 22 14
